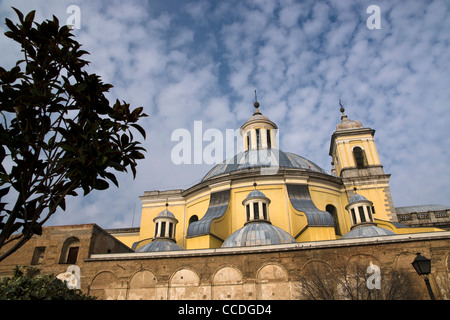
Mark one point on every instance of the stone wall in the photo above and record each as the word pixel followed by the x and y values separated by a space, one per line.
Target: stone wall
pixel 270 272
pixel 109 270
pixel 89 238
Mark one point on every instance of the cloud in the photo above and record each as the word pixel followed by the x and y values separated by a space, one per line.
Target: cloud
pixel 201 60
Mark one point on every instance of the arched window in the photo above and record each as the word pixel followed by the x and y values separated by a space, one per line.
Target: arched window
pixel 193 218
pixel 360 157
pixel 332 209
pixel 69 251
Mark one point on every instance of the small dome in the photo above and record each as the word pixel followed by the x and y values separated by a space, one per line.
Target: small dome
pixel 160 245
pixel 255 194
pixel 258 234
pixel 346 123
pixel 167 214
pixel 367 231
pixel 358 198
pixel 259 118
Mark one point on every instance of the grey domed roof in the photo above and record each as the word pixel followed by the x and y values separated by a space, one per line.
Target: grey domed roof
pixel 366 231
pixel 160 245
pixel 255 194
pixel 357 198
pixel 262 158
pixel 166 213
pixel 258 233
pixel 347 124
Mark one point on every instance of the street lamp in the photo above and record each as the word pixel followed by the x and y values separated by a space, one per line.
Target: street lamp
pixel 422 266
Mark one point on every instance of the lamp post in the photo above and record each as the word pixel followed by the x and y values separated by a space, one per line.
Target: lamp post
pixel 422 266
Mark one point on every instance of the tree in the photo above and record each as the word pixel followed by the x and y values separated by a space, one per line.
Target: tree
pixel 26 285
pixel 58 132
pixel 349 282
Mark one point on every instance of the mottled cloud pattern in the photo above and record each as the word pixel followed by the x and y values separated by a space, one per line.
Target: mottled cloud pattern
pixel 187 61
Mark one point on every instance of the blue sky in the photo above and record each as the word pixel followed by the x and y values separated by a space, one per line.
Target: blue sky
pixel 187 61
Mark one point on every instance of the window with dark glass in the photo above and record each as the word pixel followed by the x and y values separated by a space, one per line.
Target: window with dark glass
pixel 248 140
pixel 69 251
pixel 353 215
pixel 332 209
pixel 361 214
pixel 247 211
pixel 264 207
pixel 360 158
pixel 255 210
pixel 38 255
pixel 72 255
pixel 258 139
pixel 193 218
pixel 163 229
pixel 269 142
pixel 170 229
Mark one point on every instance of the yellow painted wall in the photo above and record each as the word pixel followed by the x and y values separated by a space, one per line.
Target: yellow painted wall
pixel 344 153
pixel 388 225
pixel 323 195
pixel 203 242
pixel 377 195
pixel 127 239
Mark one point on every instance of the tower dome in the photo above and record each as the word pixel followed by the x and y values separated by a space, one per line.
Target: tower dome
pixel 363 225
pixel 259 132
pixel 257 231
pixel 164 236
pixel 346 123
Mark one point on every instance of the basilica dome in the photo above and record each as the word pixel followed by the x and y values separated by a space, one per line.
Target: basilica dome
pixel 266 158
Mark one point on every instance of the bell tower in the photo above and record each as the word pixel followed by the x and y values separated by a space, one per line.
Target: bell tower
pixel 355 159
pixel 259 132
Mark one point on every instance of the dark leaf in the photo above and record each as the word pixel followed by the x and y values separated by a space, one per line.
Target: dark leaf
pixel 19 14
pixel 29 19
pixel 101 184
pixel 4 192
pixel 140 129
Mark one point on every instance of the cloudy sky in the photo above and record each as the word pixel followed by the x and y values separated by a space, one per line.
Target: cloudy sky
pixel 187 61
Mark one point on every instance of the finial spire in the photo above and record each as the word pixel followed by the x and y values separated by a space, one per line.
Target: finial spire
pixel 256 105
pixel 344 116
pixel 342 107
